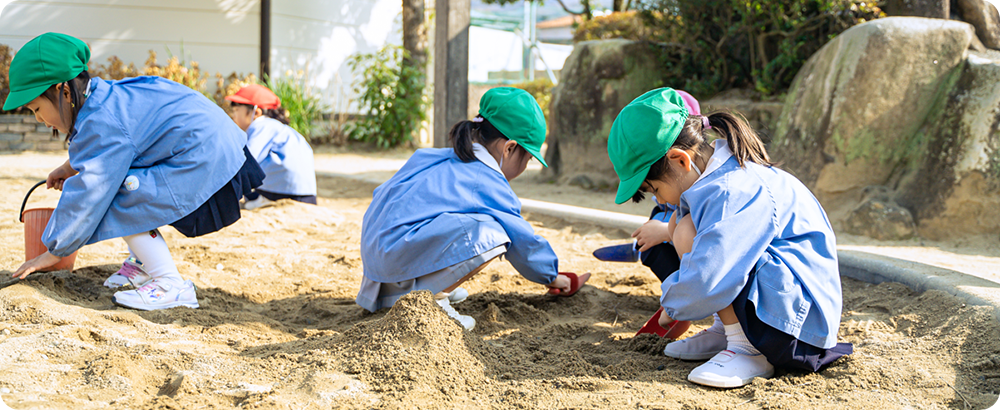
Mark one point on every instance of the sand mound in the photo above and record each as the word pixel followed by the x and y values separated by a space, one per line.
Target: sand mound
pixel 415 348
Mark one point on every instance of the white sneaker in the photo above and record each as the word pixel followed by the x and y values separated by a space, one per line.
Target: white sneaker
pixel 701 346
pixel 467 321
pixel 158 294
pixel 257 203
pixel 728 369
pixel 456 296
pixel 131 273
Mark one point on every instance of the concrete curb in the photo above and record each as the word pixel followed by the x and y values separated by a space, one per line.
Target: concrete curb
pixel 862 266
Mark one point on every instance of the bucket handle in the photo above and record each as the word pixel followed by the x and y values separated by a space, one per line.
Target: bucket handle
pixel 25 202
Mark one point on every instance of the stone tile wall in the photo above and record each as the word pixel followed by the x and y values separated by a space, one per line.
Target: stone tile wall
pixel 23 133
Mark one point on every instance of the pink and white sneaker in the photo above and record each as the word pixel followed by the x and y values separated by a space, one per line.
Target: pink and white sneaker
pixel 131 273
pixel 158 294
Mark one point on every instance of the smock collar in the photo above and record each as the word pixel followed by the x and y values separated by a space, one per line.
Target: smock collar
pixel 485 157
pixel 721 155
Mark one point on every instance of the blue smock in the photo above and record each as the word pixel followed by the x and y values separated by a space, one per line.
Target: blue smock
pixel 284 155
pixel 761 217
pixel 175 146
pixel 437 211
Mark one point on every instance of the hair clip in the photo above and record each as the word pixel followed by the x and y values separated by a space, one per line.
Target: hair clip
pixel 704 123
pixel 478 118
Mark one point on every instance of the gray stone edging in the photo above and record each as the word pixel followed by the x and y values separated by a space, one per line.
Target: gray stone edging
pixel 862 266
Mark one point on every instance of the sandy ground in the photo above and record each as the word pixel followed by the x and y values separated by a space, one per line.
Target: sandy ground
pixel 278 328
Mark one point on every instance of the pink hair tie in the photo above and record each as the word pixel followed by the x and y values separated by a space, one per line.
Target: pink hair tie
pixel 704 123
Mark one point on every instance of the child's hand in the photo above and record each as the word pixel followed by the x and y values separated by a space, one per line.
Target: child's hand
pixel 652 233
pixel 665 320
pixel 39 262
pixel 562 282
pixel 59 175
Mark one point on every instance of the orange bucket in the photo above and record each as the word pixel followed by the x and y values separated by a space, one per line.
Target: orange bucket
pixel 35 220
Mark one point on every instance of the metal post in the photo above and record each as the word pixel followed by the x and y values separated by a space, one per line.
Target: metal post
pixel 265 39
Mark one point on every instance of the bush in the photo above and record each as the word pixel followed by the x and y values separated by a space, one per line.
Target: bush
pixel 302 107
pixel 391 97
pixel 229 85
pixel 629 25
pixel 541 89
pixel 713 45
pixel 6 55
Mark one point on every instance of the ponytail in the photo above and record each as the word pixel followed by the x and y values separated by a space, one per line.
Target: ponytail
pixel 465 133
pixel 743 141
pixel 77 90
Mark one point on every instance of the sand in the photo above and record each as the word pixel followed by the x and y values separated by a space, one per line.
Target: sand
pixel 278 328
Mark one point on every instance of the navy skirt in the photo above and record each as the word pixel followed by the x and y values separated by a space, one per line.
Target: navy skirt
pixel 223 208
pixel 781 349
pixel 309 199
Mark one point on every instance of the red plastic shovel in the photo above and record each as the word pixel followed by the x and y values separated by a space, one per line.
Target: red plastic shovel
pixel 677 328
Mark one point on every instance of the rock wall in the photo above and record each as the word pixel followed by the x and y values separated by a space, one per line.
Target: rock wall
pixel 598 79
pixel 898 104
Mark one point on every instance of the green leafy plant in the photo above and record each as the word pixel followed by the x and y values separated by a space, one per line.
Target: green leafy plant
pixel 302 107
pixel 713 45
pixel 391 96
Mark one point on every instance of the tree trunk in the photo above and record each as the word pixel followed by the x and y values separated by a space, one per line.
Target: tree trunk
pixel 415 33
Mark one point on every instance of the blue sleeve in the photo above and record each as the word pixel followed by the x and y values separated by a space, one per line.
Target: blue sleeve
pixel 102 153
pixel 258 141
pixel 734 231
pixel 529 253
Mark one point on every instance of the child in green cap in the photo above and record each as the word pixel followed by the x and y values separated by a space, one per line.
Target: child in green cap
pixel 755 245
pixel 143 152
pixel 448 212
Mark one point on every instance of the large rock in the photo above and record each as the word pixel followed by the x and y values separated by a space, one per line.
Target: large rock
pixel 955 186
pixel 899 102
pixel 863 96
pixel 598 79
pixel 984 17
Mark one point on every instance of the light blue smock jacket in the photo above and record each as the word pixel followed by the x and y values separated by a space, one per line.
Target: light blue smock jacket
pixel 437 211
pixel 765 218
pixel 284 155
pixel 179 145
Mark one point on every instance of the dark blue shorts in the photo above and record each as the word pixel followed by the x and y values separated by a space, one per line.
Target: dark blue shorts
pixel 781 349
pixel 223 208
pixel 308 199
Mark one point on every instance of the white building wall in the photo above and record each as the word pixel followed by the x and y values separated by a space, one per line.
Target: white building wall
pixel 314 36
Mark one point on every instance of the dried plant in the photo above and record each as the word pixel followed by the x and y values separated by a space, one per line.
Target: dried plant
pixel 229 85
pixel 6 55
pixel 115 70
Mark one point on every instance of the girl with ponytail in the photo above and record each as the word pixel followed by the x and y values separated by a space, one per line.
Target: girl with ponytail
pixel 143 152
pixel 755 246
pixel 448 212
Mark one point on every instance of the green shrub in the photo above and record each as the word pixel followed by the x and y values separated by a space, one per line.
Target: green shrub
pixel 391 98
pixel 302 107
pixel 629 25
pixel 713 45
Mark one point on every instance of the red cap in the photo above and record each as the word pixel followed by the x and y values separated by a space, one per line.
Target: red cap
pixel 256 95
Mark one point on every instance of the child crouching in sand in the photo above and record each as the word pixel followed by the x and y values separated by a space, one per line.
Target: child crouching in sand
pixel 448 212
pixel 756 246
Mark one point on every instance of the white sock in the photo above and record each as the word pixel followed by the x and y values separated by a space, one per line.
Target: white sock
pixel 151 249
pixel 131 255
pixel 737 341
pixel 717 326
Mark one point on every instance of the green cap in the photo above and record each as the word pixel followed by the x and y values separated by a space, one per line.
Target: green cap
pixel 642 134
pixel 516 114
pixel 46 60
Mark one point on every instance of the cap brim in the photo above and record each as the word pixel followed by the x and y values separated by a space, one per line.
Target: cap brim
pixel 537 155
pixel 239 100
pixel 630 186
pixel 18 98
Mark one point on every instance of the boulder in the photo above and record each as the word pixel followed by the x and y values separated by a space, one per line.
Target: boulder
pixel 954 188
pixel 879 217
pixel 851 116
pixel 598 79
pixel 983 15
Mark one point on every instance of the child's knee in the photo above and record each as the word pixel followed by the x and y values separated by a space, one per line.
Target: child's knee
pixel 683 237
